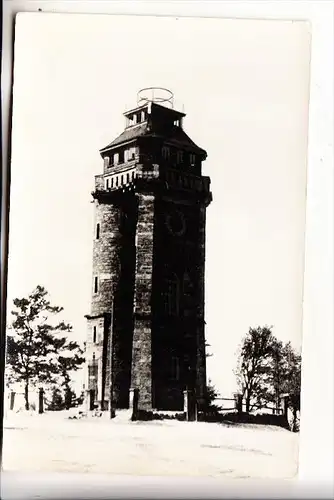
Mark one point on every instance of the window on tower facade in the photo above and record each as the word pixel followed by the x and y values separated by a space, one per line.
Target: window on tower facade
pixel 94 334
pixel 166 152
pixel 172 296
pixel 192 159
pixel 132 120
pixel 97 231
pixel 179 156
pixel 96 287
pixel 92 370
pixel 175 368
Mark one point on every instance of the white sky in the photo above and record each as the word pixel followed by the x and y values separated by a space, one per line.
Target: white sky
pixel 244 86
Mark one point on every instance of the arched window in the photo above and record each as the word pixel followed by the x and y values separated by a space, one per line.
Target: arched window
pixel 172 296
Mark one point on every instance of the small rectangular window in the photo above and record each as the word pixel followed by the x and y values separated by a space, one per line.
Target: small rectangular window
pixel 112 182
pixel 106 161
pixel 166 152
pixel 116 158
pixel 179 157
pixel 127 178
pixel 175 368
pixel 117 181
pixel 94 334
pixel 107 183
pixel 92 370
pixel 192 159
pixel 122 179
pixel 97 231
pixel 95 284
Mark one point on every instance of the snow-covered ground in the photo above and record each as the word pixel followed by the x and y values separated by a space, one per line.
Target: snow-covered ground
pixel 53 443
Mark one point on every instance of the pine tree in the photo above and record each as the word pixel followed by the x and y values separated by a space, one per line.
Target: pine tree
pixel 35 345
pixel 57 400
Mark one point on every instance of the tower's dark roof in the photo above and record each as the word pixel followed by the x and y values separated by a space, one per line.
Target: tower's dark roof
pixel 176 137
pixel 179 138
pixel 127 135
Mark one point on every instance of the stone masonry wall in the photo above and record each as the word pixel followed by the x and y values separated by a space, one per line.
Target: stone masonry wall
pixel 201 359
pixel 106 270
pixel 141 376
pixel 123 304
pixel 105 261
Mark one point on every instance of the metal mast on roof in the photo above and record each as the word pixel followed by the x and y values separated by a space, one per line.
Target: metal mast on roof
pixel 159 95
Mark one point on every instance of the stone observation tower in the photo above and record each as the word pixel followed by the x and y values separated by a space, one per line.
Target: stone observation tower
pixel 146 327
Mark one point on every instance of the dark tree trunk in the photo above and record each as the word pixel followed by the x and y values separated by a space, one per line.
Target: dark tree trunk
pixel 26 395
pixel 247 403
pixel 68 398
pixel 294 420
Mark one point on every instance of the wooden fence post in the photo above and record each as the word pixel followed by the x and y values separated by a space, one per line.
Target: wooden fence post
pixel 134 399
pixel 285 405
pixel 12 400
pixel 238 403
pixel 190 405
pixel 41 400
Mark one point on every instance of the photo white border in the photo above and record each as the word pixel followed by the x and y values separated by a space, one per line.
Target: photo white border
pixel 316 443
